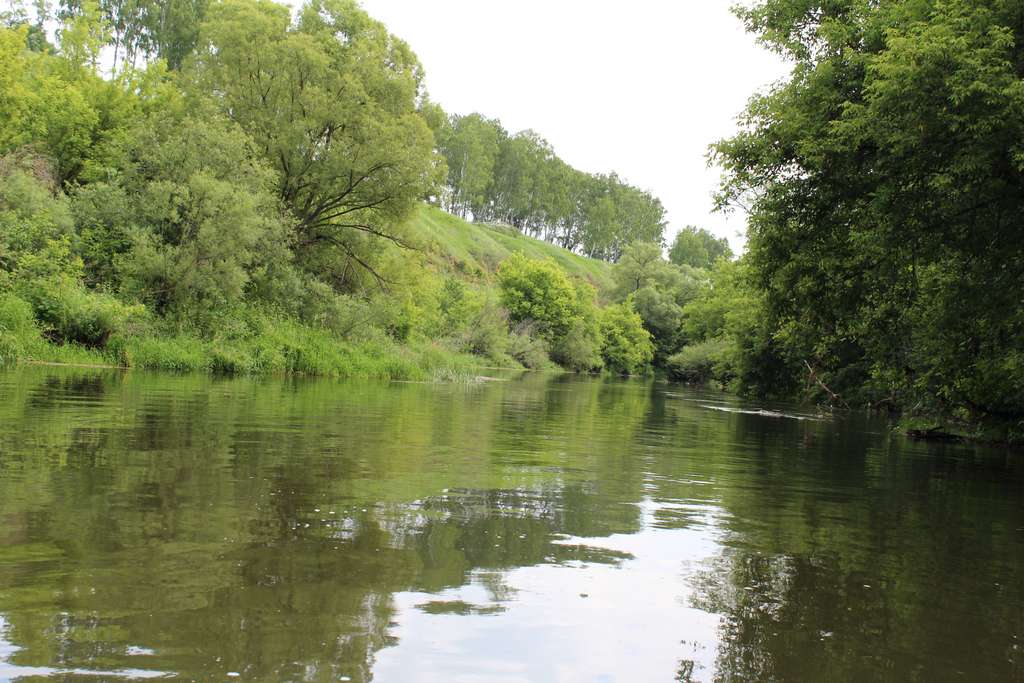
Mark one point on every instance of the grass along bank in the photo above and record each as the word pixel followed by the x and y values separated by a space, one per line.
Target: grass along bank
pixel 268 346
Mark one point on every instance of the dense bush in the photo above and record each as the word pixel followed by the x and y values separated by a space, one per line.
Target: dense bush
pixel 50 280
pixel 528 349
pixel 204 215
pixel 72 314
pixel 539 291
pixel 580 348
pixel 701 362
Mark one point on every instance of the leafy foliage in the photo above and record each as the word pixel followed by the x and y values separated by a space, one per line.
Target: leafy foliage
pixel 885 186
pixel 331 103
pixel 626 346
pixel 698 248
pixel 203 212
pixel 540 292
pixel 658 291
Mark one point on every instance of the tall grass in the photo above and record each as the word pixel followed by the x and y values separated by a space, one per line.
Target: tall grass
pixel 275 346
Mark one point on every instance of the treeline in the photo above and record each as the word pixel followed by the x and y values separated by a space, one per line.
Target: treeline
pixel 517 179
pixel 226 186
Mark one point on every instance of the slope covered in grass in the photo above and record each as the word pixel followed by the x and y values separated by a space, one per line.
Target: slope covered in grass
pixel 475 249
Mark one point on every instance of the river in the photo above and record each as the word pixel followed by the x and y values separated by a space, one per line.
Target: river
pixel 541 528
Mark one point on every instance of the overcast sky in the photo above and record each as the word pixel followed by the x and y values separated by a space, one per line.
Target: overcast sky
pixel 639 87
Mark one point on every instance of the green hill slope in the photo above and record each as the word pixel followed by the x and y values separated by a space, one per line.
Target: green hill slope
pixel 261 341
pixel 476 249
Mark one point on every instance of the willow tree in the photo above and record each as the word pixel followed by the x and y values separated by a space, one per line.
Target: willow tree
pixel 331 101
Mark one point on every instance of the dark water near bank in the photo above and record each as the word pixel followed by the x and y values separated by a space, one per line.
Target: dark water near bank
pixel 541 529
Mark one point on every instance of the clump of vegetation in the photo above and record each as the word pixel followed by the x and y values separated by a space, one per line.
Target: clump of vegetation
pixel 626 347
pixel 19 334
pixel 701 362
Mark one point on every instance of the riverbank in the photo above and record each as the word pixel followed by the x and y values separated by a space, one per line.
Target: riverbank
pixel 441 320
pixel 281 347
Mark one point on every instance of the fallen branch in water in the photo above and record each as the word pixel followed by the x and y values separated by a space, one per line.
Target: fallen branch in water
pixel 833 396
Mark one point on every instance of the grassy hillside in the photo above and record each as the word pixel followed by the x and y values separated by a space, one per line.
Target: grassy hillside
pixel 476 249
pixel 255 339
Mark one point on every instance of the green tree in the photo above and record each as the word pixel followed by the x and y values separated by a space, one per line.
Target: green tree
pixel 626 346
pixel 538 291
pixel 471 149
pixel 886 185
pixel 331 104
pixel 658 291
pixel 33 211
pixel 698 248
pixel 729 337
pixel 204 215
pixel 137 30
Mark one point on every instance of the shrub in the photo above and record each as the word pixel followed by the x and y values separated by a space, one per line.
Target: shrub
pixel 530 351
pixel 474 321
pixel 626 347
pixel 539 291
pixel 580 348
pixel 73 314
pixel 701 362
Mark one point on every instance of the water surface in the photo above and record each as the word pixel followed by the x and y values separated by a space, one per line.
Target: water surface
pixel 540 529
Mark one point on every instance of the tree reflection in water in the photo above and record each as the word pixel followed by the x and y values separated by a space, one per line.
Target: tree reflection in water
pixel 311 530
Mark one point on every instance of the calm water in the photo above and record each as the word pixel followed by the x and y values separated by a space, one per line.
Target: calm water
pixel 540 529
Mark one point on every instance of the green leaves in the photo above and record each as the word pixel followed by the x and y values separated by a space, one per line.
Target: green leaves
pixel 626 346
pixel 887 191
pixel 330 103
pixel 538 291
pixel 205 215
pixel 698 248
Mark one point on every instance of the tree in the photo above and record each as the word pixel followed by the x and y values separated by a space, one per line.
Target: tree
pixel 137 30
pixel 204 215
pixel 626 346
pixel 618 215
pixel 698 248
pixel 471 149
pixel 538 291
pixel 886 187
pixel 657 290
pixel 331 104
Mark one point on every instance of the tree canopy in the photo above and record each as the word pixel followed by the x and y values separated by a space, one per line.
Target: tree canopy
pixel 698 248
pixel 885 181
pixel 331 104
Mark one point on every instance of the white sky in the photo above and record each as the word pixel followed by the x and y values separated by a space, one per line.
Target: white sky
pixel 641 88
